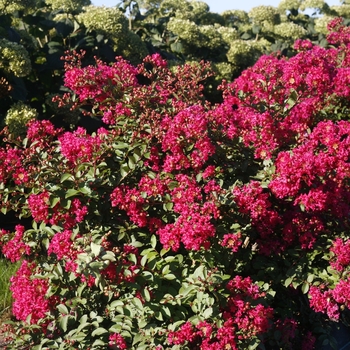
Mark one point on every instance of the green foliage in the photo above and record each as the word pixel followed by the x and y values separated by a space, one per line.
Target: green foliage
pixel 7 269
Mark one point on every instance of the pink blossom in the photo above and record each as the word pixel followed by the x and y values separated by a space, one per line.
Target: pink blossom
pixel 39 205
pixel 341 250
pixel 118 340
pixel 79 147
pixel 15 248
pixel 324 302
pixel 29 294
pixel 232 241
pixel 186 333
pixel 61 245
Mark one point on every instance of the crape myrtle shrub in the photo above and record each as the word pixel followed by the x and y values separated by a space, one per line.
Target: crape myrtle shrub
pixel 181 224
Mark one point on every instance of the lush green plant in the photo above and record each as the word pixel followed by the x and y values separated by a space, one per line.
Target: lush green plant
pixel 7 271
pixel 182 224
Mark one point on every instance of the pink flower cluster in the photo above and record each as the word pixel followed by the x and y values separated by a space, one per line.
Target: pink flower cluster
pixel 244 317
pixel 11 166
pixel 123 270
pixel 193 226
pixel 116 339
pixel 29 294
pixel 254 201
pixel 321 163
pixel 78 147
pixel 341 251
pixel 339 33
pixel 41 210
pixel 232 241
pixel 130 200
pixel 201 333
pixel 101 82
pixel 42 132
pixel 277 101
pixel 61 245
pixel 15 248
pixel 330 301
pixel 39 205
pixel 189 127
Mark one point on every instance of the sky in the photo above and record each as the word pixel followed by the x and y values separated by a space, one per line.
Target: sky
pixel 222 5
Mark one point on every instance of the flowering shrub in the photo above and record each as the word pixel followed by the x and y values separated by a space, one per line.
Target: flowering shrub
pixel 181 224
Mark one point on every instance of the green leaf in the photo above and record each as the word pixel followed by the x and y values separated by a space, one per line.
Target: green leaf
pixel 109 256
pixel 170 276
pixel 124 170
pixel 85 190
pixel 131 162
pixel 132 258
pixel 62 309
pixel 71 193
pixel 168 206
pixel 288 281
pixel 176 47
pixel 95 249
pixel 65 177
pixel 305 287
pixel 146 294
pixel 153 241
pixel 54 200
pixel 142 323
pixel 166 311
pixel 164 251
pixel 208 312
pixel 99 331
pixel 147 275
pixel 137 303
pixel 116 303
pixel 98 342
pixel 64 322
pixel 310 278
pixel 158 315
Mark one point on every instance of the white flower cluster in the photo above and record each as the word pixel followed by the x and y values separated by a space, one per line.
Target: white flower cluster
pixel 14 58
pixel 18 116
pixel 342 11
pixel 185 29
pixel 111 22
pixel 223 70
pixel 287 5
pixel 206 36
pixel 7 7
pixel 68 5
pixel 242 52
pixel 312 4
pixel 191 10
pixel 235 16
pixel 211 36
pixel 290 30
pixel 103 19
pixel 228 34
pixel 262 14
pixel 194 9
pixel 321 24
